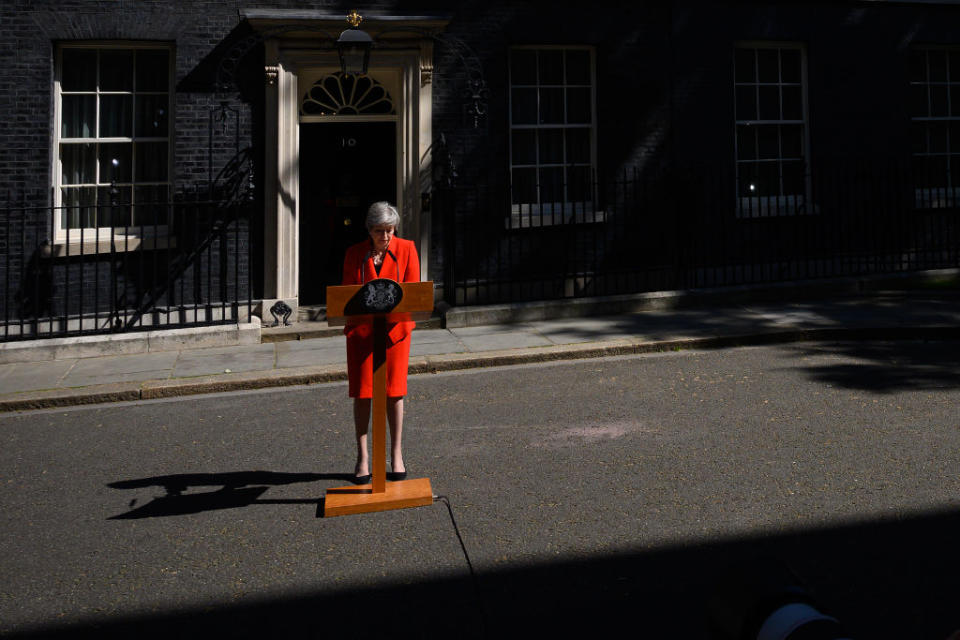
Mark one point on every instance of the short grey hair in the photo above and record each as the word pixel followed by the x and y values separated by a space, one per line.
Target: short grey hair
pixel 382 213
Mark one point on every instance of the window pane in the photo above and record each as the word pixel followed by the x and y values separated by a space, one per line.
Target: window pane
pixel 744 62
pixel 938 66
pixel 151 161
pixel 524 106
pixel 746 142
pixel 936 171
pixel 769 103
pixel 551 66
pixel 578 106
pixel 938 137
pixel 578 67
pixel 579 187
pixel 791 141
pixel 79 209
pixel 116 70
pixel 525 186
pixel 149 206
pixel 918 66
pixel 578 146
pixel 114 206
pixel 938 101
pixel 768 179
pixel 151 194
pixel 955 100
pixel 153 72
pixel 793 183
pixel 79 70
pixel 746 103
pixel 551 184
pixel 115 162
pixel 792 103
pixel 768 142
pixel 523 66
pixel 116 116
pixel 768 65
pixel 78 117
pixel 747 179
pixel 551 106
pixel 954 136
pixel 524 146
pixel 790 65
pixel 78 163
pixel 151 116
pixel 551 146
pixel 918 101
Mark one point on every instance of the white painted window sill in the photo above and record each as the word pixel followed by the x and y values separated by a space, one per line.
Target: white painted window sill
pixel 104 245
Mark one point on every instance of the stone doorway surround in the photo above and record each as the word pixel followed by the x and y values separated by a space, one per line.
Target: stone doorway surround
pixel 298 44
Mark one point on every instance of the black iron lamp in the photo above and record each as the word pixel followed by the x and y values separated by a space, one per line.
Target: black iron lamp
pixel 354 46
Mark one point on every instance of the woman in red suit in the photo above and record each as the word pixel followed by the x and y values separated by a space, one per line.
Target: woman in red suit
pixel 382 255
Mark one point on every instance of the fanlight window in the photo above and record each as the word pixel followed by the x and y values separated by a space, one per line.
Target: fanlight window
pixel 340 94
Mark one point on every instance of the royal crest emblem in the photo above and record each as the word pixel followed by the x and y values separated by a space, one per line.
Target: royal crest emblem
pixel 380 295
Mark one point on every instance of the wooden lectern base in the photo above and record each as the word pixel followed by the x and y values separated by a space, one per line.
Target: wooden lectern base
pixel 342 501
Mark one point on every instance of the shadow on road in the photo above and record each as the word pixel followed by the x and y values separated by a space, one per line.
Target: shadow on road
pixel 886 578
pixel 238 489
pixel 886 367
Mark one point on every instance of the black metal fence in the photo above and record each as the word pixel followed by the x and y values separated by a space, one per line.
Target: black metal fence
pixel 650 231
pixel 102 268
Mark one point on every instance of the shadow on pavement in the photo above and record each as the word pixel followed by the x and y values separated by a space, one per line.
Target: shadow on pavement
pixel 887 578
pixel 886 367
pixel 879 316
pixel 238 489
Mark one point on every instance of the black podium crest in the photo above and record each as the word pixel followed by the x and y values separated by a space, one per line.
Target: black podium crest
pixel 377 296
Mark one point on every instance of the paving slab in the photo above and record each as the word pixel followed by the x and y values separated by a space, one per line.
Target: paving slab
pixel 146 366
pixel 435 341
pixel 306 353
pixel 572 331
pixel 198 362
pixel 33 375
pixel 494 338
pixel 434 348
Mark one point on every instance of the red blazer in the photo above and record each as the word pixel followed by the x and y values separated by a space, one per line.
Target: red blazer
pixel 401 264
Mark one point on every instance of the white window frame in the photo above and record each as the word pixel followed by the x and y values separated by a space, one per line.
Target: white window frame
pixel 947 195
pixel 123 238
pixel 781 204
pixel 537 214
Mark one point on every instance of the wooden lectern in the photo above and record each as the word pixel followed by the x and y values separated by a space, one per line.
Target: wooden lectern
pixel 378 302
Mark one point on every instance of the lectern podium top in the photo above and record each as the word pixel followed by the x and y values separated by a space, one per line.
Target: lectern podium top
pixel 381 298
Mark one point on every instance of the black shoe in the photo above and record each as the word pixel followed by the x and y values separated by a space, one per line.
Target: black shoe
pixel 394 476
pixel 361 479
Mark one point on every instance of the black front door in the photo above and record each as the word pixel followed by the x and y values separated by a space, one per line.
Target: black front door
pixel 344 168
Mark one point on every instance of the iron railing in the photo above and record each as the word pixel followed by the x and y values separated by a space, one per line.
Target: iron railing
pixel 180 262
pixel 641 231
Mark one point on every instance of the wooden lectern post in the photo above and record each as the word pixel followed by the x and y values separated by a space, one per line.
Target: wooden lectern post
pixel 378 302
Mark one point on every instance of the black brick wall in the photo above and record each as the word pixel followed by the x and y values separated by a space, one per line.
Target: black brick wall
pixel 664 83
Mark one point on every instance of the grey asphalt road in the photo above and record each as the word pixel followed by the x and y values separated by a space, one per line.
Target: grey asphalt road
pixel 592 494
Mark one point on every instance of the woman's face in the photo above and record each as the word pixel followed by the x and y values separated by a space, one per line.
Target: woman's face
pixel 382 234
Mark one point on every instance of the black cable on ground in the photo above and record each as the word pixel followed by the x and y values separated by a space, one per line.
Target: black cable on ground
pixel 473 574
